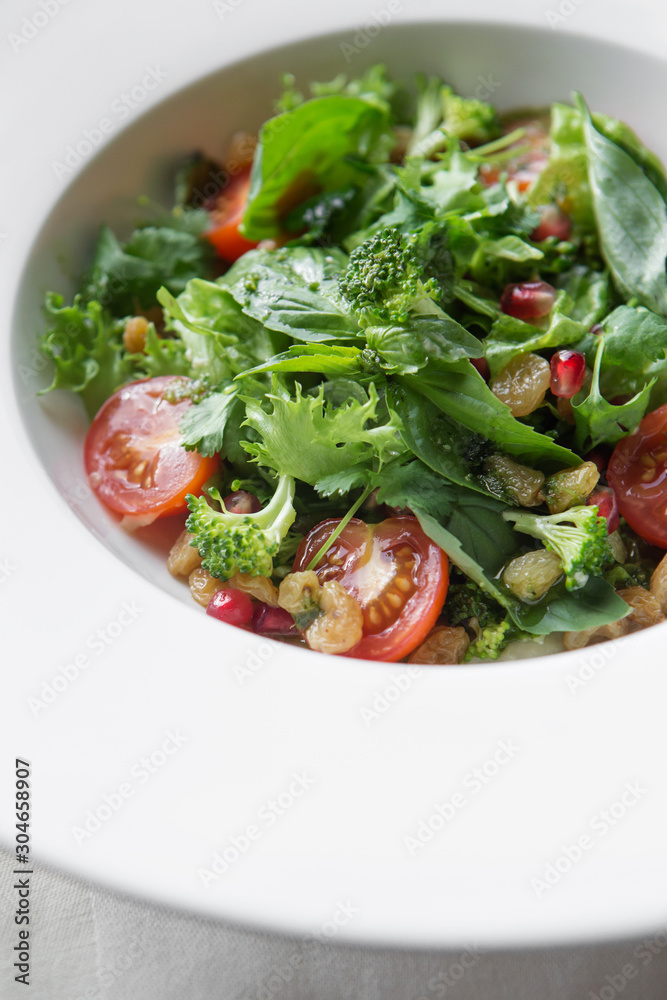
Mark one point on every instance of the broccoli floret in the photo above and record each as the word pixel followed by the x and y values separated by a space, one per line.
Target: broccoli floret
pixel 384 281
pixel 469 119
pixel 468 600
pixel 441 115
pixel 578 536
pixel 492 640
pixel 241 543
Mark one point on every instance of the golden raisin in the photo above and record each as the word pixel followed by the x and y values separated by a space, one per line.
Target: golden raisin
pixel 443 645
pixel 522 483
pixel 203 586
pixel 531 575
pixel 183 557
pixel 134 334
pixel 522 384
pixel 570 487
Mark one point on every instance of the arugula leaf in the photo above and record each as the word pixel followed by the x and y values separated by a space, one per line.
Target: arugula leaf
pixel 303 438
pixel 124 275
pixel 406 348
pixel 635 350
pixel 311 149
pixel 631 217
pixel 461 393
pixel 600 421
pixel 86 347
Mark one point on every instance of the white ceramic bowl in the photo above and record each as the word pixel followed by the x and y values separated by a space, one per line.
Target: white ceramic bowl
pixel 116 661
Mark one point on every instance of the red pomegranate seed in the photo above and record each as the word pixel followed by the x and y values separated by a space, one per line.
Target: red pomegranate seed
pixel 604 498
pixel 552 222
pixel 231 606
pixel 528 300
pixel 482 366
pixel 242 502
pixel 568 369
pixel 272 621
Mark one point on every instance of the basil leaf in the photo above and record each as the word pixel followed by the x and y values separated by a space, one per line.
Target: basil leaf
pixel 293 291
pixel 407 347
pixel 310 150
pixel 595 604
pixel 461 393
pixel 437 441
pixel 631 217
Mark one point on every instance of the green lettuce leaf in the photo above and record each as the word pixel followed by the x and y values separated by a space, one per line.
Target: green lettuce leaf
pixel 86 347
pixel 303 438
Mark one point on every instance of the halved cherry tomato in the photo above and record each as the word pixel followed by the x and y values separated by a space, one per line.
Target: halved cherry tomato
pixel 226 216
pixel 526 167
pixel 637 472
pixel 395 572
pixel 134 454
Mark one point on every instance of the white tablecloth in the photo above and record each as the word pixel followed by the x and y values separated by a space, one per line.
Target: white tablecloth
pixel 90 944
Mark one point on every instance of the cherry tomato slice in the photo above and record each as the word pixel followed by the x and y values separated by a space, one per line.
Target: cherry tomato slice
pixel 637 473
pixel 526 167
pixel 134 456
pixel 226 217
pixel 395 572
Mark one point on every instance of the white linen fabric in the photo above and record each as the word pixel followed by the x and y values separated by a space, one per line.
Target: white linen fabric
pixel 91 944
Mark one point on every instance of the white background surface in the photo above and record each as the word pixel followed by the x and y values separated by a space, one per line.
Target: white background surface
pixel 62 81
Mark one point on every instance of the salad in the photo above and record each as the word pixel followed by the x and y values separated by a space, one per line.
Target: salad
pixel 399 368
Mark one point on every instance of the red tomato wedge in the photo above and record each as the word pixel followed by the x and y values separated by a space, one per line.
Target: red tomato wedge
pixel 226 217
pixel 134 455
pixel 395 572
pixel 637 473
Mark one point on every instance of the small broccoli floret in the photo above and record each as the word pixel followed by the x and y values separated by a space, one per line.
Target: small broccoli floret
pixel 469 119
pixel 468 600
pixel 384 281
pixel 241 543
pixel 578 536
pixel 492 640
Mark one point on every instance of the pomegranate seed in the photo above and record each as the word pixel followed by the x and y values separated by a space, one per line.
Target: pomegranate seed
pixel 604 498
pixel 242 502
pixel 528 300
pixel 231 606
pixel 552 222
pixel 482 366
pixel 272 621
pixel 568 369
